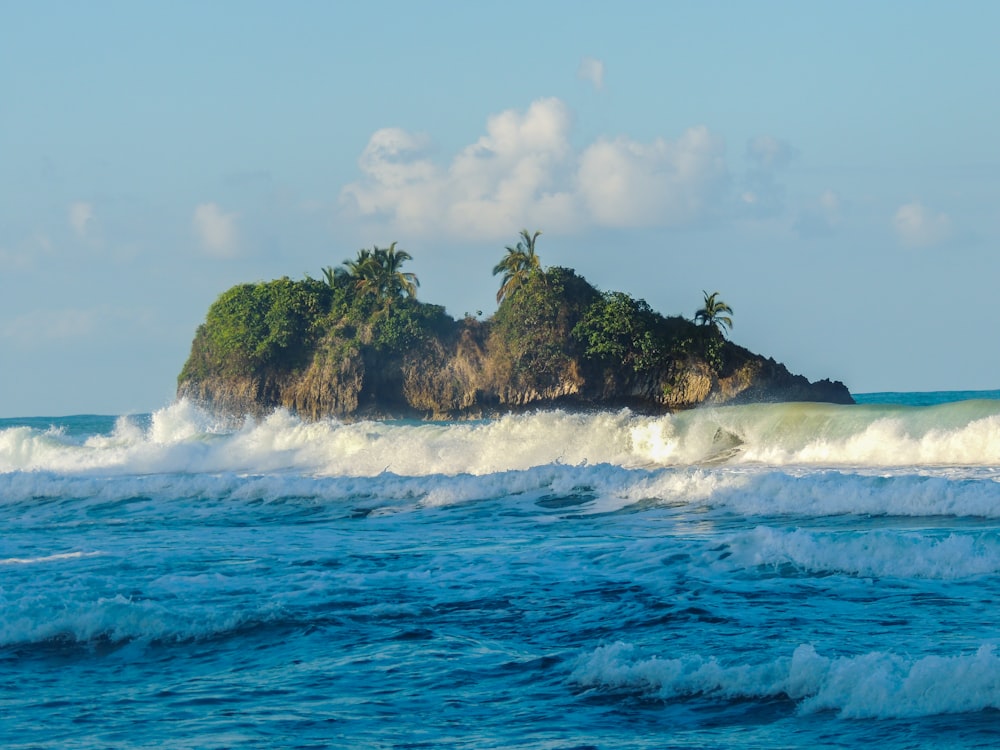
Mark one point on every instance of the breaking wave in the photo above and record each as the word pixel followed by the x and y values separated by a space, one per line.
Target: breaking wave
pixel 873 685
pixel 183 438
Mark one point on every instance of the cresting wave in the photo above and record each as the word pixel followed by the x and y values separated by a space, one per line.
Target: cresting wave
pixel 183 438
pixel 48 496
pixel 118 619
pixel 877 554
pixel 874 685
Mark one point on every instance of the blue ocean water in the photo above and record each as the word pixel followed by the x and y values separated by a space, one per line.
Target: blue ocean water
pixel 758 576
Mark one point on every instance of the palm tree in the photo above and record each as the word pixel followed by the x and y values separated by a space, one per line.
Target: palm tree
pixel 354 267
pixel 518 265
pixel 378 272
pixel 396 283
pixel 334 276
pixel 715 313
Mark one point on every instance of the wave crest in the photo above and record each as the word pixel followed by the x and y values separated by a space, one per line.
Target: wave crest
pixel 875 685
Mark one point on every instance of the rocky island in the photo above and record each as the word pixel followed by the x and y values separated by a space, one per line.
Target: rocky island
pixel 358 344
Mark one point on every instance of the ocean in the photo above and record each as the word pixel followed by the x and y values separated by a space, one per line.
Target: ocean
pixel 761 576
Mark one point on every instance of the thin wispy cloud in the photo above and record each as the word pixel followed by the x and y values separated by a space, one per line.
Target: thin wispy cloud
pixel 81 218
pixel 918 226
pixel 768 152
pixel 592 70
pixel 822 216
pixel 215 229
pixel 762 194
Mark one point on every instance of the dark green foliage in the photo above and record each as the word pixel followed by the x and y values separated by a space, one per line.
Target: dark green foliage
pixel 252 327
pixel 362 327
pixel 619 329
pixel 407 323
pixel 276 325
pixel 705 342
pixel 535 323
pixel 715 313
pixel 377 273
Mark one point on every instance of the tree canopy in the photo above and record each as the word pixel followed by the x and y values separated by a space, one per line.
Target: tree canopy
pixel 378 273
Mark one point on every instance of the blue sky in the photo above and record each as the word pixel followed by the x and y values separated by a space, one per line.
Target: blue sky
pixel 832 169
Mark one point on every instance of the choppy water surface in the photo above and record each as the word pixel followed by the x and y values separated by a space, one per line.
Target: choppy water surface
pixel 759 576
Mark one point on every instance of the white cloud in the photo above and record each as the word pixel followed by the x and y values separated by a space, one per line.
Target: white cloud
pixel 918 226
pixel 627 183
pixel 525 172
pixel 215 229
pixel 81 217
pixel 506 178
pixel 591 69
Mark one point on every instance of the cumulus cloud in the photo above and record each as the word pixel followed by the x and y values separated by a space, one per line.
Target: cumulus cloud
pixel 918 226
pixel 591 69
pixel 627 183
pixel 81 217
pixel 215 229
pixel 506 178
pixel 524 172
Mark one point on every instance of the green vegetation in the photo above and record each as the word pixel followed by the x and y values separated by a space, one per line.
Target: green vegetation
pixel 253 327
pixel 619 329
pixel 715 313
pixel 520 264
pixel 533 328
pixel 360 336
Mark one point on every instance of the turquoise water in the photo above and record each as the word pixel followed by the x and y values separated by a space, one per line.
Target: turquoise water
pixel 758 576
pixel 925 398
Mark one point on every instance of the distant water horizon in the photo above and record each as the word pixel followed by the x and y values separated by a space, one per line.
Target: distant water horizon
pixel 907 398
pixel 923 398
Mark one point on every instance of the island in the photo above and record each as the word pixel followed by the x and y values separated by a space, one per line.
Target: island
pixel 358 344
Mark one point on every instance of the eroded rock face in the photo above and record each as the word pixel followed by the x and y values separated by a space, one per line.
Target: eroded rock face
pixel 558 342
pixel 468 379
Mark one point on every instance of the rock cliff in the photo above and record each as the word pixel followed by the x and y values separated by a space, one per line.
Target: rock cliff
pixel 557 343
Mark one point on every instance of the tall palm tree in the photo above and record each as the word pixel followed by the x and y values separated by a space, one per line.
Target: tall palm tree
pixel 396 283
pixel 354 267
pixel 335 276
pixel 378 272
pixel 715 313
pixel 518 265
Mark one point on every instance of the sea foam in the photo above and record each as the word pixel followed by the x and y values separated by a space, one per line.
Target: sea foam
pixel 873 685
pixel 183 437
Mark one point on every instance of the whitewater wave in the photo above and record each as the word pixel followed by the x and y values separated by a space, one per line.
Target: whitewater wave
pixel 870 554
pixel 184 438
pixel 874 685
pixel 46 497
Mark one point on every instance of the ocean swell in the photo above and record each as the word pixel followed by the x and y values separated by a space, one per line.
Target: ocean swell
pixel 868 686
